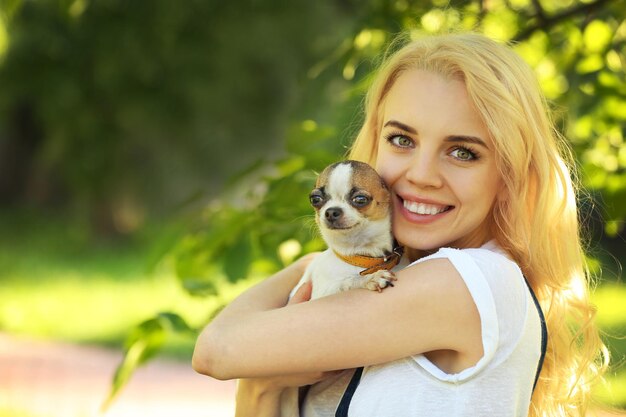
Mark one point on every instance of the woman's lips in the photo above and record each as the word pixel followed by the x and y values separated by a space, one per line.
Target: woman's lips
pixel 422 211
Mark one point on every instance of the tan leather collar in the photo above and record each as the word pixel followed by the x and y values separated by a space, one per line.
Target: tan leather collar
pixel 372 264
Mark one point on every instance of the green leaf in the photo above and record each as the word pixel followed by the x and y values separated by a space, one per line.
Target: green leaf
pixel 591 63
pixel 582 128
pixel 291 166
pixel 237 259
pixel 502 25
pixel 597 36
pixel 144 342
pixel 175 323
pixel 199 286
pixel 615 107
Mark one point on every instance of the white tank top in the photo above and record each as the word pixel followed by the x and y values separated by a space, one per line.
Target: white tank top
pixel 499 384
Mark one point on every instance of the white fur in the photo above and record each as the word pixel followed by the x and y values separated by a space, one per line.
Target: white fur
pixel 339 184
pixel 371 238
pixel 331 275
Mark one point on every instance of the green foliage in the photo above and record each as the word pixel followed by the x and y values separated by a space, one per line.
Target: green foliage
pixel 266 206
pixel 144 342
pixel 145 102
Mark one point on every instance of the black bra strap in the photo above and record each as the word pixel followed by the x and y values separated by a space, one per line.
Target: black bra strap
pixel 544 333
pixel 344 404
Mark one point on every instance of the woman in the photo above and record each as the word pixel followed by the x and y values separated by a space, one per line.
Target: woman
pixel 484 205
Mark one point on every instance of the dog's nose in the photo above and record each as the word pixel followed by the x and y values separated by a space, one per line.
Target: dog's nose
pixel 333 213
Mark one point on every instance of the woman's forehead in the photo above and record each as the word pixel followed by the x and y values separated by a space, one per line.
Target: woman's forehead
pixel 423 98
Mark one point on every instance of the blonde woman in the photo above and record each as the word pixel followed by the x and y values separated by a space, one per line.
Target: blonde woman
pixel 492 318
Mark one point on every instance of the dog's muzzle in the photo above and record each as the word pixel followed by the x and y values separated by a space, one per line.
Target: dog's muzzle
pixel 334 217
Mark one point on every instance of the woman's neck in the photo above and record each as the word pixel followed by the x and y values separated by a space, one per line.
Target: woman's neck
pixel 473 242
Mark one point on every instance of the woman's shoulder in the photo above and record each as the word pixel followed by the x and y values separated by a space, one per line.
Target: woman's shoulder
pixel 496 286
pixel 494 281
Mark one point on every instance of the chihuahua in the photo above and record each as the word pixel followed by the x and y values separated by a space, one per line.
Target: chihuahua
pixel 353 212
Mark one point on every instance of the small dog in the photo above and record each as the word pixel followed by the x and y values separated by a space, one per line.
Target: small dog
pixel 353 211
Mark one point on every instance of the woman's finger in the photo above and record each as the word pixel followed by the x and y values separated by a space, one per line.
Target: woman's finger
pixel 303 293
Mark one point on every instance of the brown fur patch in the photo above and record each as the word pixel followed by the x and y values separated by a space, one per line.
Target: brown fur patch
pixel 322 179
pixel 364 177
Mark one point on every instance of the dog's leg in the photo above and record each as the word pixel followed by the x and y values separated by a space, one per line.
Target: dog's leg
pixel 377 281
pixel 380 280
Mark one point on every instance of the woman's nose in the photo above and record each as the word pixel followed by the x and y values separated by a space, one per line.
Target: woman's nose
pixel 425 172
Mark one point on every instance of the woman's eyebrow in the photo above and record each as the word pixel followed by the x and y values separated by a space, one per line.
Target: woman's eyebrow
pixel 400 125
pixel 466 139
pixel 453 138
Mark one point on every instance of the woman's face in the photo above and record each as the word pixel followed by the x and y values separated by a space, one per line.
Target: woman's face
pixel 437 157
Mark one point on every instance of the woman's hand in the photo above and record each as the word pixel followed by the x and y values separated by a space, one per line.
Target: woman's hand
pixel 295 380
pixel 261 396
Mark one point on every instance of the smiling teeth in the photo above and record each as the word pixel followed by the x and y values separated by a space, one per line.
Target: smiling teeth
pixel 420 208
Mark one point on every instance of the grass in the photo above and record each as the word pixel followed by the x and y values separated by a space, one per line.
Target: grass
pixel 91 307
pixel 57 283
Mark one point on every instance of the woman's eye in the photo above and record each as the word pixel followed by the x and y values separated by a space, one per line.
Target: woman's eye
pixel 401 141
pixel 463 154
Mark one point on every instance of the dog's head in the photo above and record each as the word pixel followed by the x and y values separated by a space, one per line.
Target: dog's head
pixel 348 198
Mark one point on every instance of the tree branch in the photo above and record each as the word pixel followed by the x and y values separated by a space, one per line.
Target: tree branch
pixel 541 14
pixel 545 22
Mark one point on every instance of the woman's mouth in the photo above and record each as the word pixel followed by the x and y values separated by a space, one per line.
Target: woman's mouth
pixel 422 211
pixel 423 208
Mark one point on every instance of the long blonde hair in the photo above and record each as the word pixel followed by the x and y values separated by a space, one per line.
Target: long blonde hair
pixel 535 217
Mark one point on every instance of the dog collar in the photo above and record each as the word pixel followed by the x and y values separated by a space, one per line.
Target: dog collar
pixel 373 264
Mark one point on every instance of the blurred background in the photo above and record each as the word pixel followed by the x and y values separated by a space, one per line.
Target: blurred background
pixel 156 158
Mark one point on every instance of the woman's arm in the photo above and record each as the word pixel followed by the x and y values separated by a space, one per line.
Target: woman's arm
pixel 261 397
pixel 429 309
pixel 255 399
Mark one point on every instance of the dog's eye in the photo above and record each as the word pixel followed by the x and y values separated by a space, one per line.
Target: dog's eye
pixel 316 200
pixel 360 200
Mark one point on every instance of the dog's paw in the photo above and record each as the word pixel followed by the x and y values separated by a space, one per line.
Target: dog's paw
pixel 380 280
